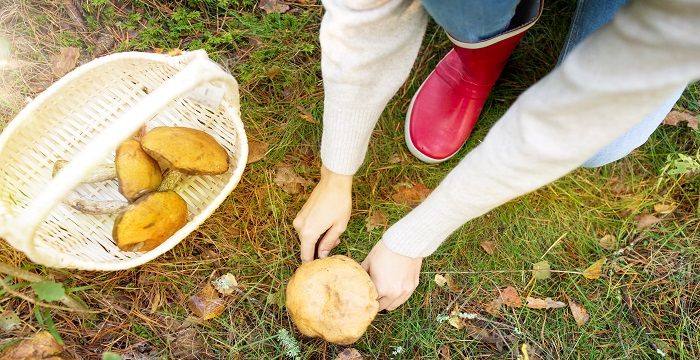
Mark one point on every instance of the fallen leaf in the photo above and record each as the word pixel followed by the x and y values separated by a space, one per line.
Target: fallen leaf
pixel 451 284
pixel 273 72
pixel 509 297
pixel 541 271
pixel 608 242
pixel 579 312
pixel 548 303
pixel 306 115
pixel 444 353
pixel 487 336
pixel 207 304
pixel 440 280
pixel 175 52
pixel 674 118
pixel 289 181
pixel 376 220
pixel 411 195
pixel 489 247
pixel 617 187
pixel 664 208
pixel 9 320
pixel 456 321
pixel 48 290
pixel 257 151
pixel 225 284
pixel 646 220
pixel 276 298
pixel 40 346
pixel 395 159
pixel 595 270
pixel 64 61
pixel 273 6
pixel 493 307
pixel 349 354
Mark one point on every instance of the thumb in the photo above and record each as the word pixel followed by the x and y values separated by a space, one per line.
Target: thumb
pixel 365 264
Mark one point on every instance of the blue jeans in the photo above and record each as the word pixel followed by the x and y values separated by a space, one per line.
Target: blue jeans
pixel 475 20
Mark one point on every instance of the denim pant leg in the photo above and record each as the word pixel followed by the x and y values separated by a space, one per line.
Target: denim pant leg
pixel 472 20
pixel 589 16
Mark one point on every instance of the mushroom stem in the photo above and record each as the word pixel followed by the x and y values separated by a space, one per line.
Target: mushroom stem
pixel 95 207
pixel 102 172
pixel 170 178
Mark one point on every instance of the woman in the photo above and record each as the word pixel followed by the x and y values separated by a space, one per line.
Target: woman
pixel 600 103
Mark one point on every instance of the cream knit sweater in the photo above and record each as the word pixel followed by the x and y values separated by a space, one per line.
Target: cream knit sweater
pixel 606 85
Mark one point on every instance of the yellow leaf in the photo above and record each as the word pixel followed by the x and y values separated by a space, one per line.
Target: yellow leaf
pixel 456 322
pixel 540 270
pixel 207 304
pixel 664 208
pixel 548 303
pixel 595 270
pixel 440 280
pixel 608 242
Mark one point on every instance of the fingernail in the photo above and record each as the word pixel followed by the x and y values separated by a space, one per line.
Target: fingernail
pixel 323 253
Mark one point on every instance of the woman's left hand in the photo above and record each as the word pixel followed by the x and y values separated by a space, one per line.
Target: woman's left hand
pixel 395 276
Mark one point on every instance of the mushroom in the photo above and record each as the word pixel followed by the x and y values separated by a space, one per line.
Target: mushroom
pixel 137 172
pixel 186 150
pixel 332 298
pixel 149 221
pixel 102 172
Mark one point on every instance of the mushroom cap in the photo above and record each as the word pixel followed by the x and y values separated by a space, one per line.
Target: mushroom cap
pixel 187 150
pixel 332 298
pixel 137 172
pixel 150 220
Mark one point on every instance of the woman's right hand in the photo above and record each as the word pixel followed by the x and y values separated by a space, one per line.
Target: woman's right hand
pixel 325 215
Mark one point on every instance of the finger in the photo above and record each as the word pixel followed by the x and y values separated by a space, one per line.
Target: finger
pixel 384 302
pixel 365 264
pixel 329 241
pixel 308 244
pixel 399 301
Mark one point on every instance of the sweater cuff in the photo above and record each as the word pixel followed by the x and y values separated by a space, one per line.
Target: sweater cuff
pixel 346 134
pixel 421 232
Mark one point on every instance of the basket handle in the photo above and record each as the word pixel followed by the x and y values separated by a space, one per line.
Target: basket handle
pixel 198 70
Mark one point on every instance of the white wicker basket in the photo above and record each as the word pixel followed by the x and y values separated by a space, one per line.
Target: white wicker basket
pixel 82 118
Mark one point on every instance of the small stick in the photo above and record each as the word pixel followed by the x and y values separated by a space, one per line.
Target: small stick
pixel 635 319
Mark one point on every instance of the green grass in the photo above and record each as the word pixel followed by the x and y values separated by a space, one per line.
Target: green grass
pixel 275 57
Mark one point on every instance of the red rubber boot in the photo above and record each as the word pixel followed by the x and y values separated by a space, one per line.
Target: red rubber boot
pixel 445 108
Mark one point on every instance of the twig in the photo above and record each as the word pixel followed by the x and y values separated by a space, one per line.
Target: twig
pixel 31 277
pixel 40 303
pixel 635 319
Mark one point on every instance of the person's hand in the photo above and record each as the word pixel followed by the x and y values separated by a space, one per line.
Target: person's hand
pixel 325 214
pixel 395 276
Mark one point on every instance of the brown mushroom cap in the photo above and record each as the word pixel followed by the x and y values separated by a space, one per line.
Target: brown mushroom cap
pixel 137 172
pixel 332 298
pixel 151 220
pixel 190 151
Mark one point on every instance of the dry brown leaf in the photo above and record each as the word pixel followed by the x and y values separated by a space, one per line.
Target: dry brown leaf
pixel 444 353
pixel 411 195
pixel 579 312
pixel 509 297
pixel 493 307
pixel 540 270
pixel 489 247
pixel 645 221
pixel 548 303
pixel 451 284
pixel 273 6
pixel 617 187
pixel 664 208
pixel 257 150
pixel 306 115
pixel 64 61
pixel 289 181
pixel 487 336
pixel 207 304
pixel 595 270
pixel 376 220
pixel 349 354
pixel 440 280
pixel 456 321
pixel 608 242
pixel 40 346
pixel 674 118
